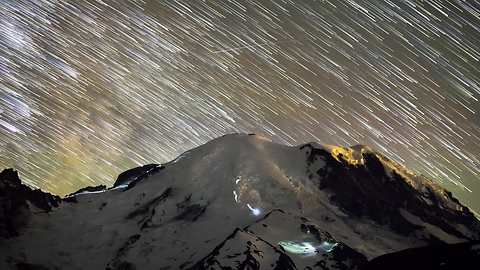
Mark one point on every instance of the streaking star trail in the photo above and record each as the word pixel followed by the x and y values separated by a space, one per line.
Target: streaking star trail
pixel 89 89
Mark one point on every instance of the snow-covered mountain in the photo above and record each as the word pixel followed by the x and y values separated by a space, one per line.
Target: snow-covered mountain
pixel 237 202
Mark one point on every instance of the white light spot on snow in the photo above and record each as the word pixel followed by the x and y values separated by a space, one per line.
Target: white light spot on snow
pixel 235 196
pixel 255 211
pixel 120 186
pixel 327 246
pixel 303 248
pixel 100 191
pixel 306 248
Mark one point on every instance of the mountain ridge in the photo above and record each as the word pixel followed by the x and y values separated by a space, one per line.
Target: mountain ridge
pixel 338 197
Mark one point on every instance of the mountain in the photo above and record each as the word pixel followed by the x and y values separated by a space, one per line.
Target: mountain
pixel 438 256
pixel 238 202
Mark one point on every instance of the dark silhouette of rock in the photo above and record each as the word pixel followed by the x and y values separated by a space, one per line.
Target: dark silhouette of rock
pixel 244 250
pixel 133 176
pixel 14 198
pixel 367 190
pixel 436 257
pixel 88 189
pixel 29 266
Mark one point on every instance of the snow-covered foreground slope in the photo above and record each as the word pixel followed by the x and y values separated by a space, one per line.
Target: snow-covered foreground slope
pixel 237 202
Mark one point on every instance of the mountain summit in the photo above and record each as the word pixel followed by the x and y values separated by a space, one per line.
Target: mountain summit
pixel 238 202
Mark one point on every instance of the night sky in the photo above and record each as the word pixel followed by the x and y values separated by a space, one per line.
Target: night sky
pixel 89 89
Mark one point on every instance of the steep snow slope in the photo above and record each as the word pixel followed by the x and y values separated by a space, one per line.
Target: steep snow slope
pixel 243 201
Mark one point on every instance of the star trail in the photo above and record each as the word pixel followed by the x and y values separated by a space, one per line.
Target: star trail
pixel 89 89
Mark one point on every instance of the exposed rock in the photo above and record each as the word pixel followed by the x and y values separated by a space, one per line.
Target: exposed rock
pixel 15 201
pixel 435 257
pixel 191 212
pixel 128 176
pixel 244 250
pixel 383 191
pixel 88 189
pixel 29 266
pixel 322 250
pixel 117 262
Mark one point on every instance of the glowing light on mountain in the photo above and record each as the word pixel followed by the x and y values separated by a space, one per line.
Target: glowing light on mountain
pixel 303 248
pixel 235 196
pixel 307 248
pixel 255 211
pixel 328 246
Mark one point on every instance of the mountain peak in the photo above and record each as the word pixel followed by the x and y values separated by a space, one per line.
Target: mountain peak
pixel 10 177
pixel 298 206
pixel 19 201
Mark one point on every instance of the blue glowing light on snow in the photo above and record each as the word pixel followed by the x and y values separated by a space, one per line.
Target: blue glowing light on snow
pixel 254 211
pixel 307 248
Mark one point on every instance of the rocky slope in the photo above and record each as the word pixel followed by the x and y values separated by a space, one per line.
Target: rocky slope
pixel 438 256
pixel 18 203
pixel 237 202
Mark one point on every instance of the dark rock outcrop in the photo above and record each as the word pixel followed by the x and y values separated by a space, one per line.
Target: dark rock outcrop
pixel 15 201
pixel 29 266
pixel 372 191
pixel 133 176
pixel 116 263
pixel 88 189
pixel 436 257
pixel 145 212
pixel 244 250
